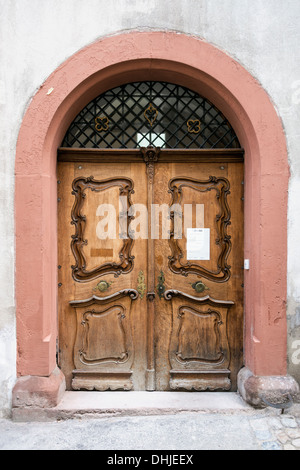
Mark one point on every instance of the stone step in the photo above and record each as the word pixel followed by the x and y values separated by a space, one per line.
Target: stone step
pixel 103 404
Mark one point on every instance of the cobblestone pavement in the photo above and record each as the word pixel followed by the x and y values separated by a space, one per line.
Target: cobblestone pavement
pixel 280 432
pixel 252 430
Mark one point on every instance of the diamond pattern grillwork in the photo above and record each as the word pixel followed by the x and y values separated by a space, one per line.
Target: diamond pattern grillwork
pixel 150 113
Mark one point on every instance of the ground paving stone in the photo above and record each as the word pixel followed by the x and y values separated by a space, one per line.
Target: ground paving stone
pixel 296 443
pixel 284 428
pixel 289 422
pixel 271 446
pixel 289 447
pixel 253 430
pixel 282 437
pixel 293 433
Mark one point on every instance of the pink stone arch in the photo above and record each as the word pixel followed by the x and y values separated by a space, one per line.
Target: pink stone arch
pixel 195 64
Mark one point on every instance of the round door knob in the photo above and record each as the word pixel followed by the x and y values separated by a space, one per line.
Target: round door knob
pixel 199 287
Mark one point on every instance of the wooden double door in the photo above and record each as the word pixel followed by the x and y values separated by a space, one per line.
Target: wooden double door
pixel 150 269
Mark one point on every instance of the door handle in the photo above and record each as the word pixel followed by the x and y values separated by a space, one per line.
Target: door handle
pixel 150 296
pixel 199 287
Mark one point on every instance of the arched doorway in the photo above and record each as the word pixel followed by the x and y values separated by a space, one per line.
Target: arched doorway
pixel 154 297
pixel 192 63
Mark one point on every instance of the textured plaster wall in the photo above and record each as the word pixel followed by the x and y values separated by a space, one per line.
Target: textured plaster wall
pixel 36 36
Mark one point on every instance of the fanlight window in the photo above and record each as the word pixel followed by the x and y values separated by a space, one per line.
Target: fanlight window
pixel 150 113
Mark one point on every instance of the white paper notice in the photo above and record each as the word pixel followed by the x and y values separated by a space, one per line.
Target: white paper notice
pixel 198 244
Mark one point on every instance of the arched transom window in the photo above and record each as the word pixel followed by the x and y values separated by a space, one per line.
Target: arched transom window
pixel 159 114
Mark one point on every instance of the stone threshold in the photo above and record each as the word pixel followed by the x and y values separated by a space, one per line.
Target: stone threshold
pixel 117 404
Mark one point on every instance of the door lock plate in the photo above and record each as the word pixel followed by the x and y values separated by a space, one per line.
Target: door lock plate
pixel 150 296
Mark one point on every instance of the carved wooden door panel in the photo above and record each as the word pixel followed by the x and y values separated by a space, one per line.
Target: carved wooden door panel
pixel 199 276
pixel 150 270
pixel 102 317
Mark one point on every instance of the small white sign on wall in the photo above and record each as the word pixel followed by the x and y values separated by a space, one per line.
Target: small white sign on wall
pixel 198 244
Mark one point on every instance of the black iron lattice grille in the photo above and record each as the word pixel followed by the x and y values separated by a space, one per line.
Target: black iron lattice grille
pixel 150 113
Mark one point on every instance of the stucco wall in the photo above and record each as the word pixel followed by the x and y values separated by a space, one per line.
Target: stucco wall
pixel 36 36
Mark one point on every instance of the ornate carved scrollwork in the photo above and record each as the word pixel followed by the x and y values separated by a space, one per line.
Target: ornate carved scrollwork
pixel 199 350
pixel 172 293
pixel 150 156
pixel 120 355
pixel 132 293
pixel 221 187
pixel 79 271
pixel 103 349
pixel 208 314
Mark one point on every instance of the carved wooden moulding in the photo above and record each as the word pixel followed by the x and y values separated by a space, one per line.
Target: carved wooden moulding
pixel 199 349
pixel 150 156
pixel 80 272
pixel 103 350
pixel 219 186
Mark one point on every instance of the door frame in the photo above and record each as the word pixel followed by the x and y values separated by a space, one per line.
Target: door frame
pixel 192 63
pixel 147 159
